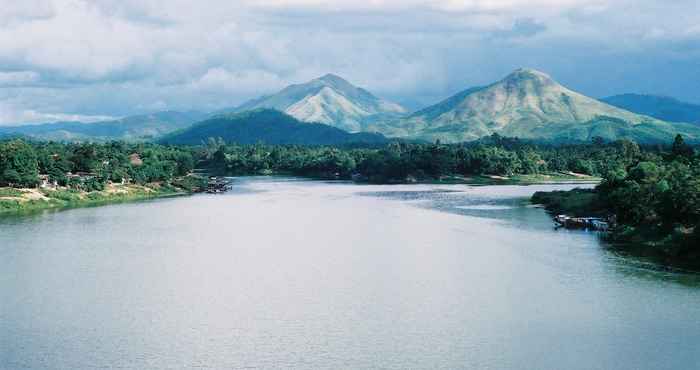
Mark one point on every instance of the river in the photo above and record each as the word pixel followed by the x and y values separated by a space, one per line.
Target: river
pixel 291 273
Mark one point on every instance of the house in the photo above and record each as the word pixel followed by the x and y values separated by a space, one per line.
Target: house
pixel 46 183
pixel 135 159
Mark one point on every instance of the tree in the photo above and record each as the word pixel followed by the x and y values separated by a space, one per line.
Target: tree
pixel 680 149
pixel 18 164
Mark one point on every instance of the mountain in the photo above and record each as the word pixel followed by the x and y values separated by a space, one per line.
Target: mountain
pixel 133 128
pixel 661 107
pixel 268 126
pixel 528 104
pixel 330 100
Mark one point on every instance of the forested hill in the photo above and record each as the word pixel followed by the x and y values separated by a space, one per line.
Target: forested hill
pixel 267 126
pixel 133 128
pixel 661 107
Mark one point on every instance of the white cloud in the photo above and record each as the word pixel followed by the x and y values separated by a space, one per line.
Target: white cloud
pixel 19 11
pixel 13 115
pixel 222 80
pixel 21 78
pixel 116 57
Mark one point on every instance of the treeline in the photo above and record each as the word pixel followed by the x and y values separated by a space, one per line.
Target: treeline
pixel 90 166
pixel 656 199
pixel 653 202
pixel 400 162
pixel 21 162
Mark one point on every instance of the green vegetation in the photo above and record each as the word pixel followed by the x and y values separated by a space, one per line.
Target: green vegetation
pixel 18 164
pixel 661 107
pixel 88 174
pixel 508 159
pixel 530 105
pixel 30 201
pixel 653 202
pixel 651 194
pixel 133 129
pixel 576 203
pixel 267 126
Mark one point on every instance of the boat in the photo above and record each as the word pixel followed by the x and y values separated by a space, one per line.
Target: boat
pixel 218 185
pixel 587 223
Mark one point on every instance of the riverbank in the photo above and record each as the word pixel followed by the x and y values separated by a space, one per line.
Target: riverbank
pixel 671 246
pixel 531 179
pixel 520 179
pixel 22 201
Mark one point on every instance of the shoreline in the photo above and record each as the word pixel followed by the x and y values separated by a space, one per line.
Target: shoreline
pixel 647 243
pixel 540 179
pixel 31 201
pixel 17 202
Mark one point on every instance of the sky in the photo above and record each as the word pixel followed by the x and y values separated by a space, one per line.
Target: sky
pixel 90 60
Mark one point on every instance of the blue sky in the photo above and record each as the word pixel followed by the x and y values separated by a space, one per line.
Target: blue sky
pixel 88 60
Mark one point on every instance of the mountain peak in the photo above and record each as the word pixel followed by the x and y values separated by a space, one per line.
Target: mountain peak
pixel 329 99
pixel 330 77
pixel 528 74
pixel 527 104
pixel 335 82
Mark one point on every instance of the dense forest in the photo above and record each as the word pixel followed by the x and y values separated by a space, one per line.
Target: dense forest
pixel 406 162
pixel 652 200
pixel 21 162
pixel 90 166
pixel 269 126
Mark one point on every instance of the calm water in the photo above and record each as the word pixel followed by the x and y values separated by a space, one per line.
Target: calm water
pixel 286 273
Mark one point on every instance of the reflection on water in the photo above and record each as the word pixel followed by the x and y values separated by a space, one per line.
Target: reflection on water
pixel 288 273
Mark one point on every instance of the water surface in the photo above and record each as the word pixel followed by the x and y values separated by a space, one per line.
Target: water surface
pixel 287 273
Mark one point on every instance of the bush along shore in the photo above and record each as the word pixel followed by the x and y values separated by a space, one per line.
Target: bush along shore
pixel 652 204
pixel 36 176
pixel 99 169
pixel 18 201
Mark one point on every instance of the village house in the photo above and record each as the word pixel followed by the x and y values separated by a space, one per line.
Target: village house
pixel 135 159
pixel 46 183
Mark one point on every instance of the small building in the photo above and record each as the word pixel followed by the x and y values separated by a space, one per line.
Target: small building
pixel 135 159
pixel 46 183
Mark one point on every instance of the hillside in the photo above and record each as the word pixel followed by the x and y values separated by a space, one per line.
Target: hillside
pixel 133 128
pixel 661 107
pixel 528 104
pixel 330 100
pixel 266 126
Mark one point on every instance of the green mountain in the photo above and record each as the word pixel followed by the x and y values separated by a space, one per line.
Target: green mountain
pixel 267 126
pixel 529 104
pixel 330 100
pixel 134 128
pixel 661 107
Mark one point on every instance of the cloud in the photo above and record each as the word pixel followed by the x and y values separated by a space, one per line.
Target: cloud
pixel 14 115
pixel 26 10
pixel 118 57
pixel 21 78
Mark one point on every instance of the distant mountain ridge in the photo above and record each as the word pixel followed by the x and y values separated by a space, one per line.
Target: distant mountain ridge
pixel 661 107
pixel 133 128
pixel 330 100
pixel 267 126
pixel 528 104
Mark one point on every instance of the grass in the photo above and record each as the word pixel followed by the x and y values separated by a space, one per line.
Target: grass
pixel 70 198
pixel 10 192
